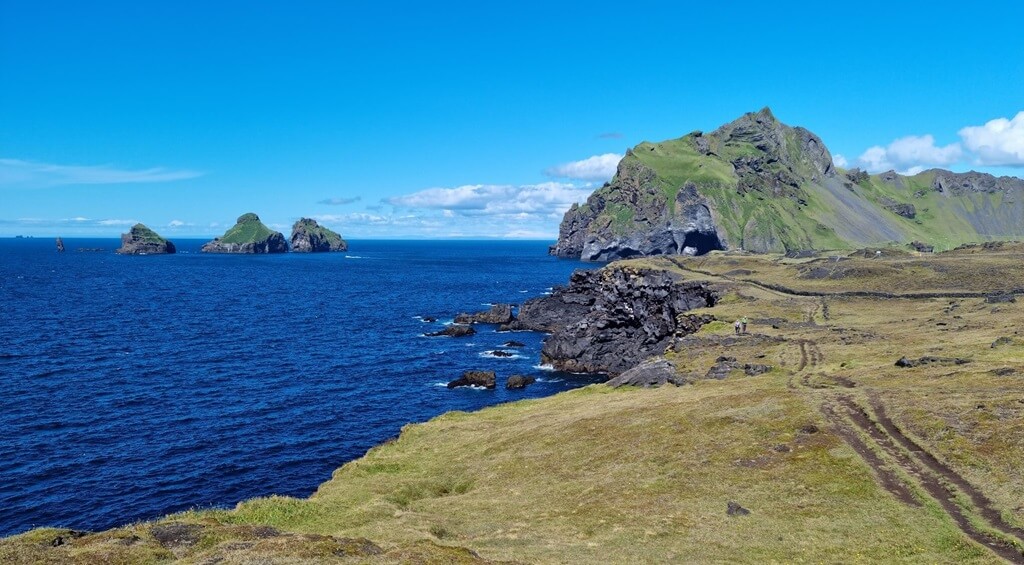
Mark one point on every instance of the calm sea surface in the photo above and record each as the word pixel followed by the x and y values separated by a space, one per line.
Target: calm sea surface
pixel 131 387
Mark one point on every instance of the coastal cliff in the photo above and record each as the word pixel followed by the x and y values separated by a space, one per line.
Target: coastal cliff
pixel 248 236
pixel 763 186
pixel 141 240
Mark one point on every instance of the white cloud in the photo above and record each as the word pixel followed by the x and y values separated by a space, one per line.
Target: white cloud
pixel 530 234
pixel 178 224
pixel 493 199
pixel 911 152
pixel 1000 142
pixel 480 210
pixel 18 173
pixel 117 222
pixel 597 168
pixel 840 161
pixel 340 201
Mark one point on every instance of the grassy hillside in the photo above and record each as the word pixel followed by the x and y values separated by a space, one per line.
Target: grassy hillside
pixel 773 188
pixel 837 453
pixel 248 229
pixel 142 233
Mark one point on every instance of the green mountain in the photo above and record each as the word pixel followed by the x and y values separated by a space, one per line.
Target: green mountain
pixel 141 240
pixel 760 185
pixel 248 235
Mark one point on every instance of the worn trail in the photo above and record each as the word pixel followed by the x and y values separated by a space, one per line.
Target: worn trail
pixel 936 478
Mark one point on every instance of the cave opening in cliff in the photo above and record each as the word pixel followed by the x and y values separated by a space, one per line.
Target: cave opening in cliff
pixel 699 243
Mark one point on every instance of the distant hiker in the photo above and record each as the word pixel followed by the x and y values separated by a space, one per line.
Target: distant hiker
pixel 737 326
pixel 743 321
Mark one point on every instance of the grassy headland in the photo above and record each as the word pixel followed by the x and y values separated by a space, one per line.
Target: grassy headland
pixel 837 453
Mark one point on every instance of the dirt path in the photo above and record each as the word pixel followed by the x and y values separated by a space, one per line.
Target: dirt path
pixel 936 478
pixel 978 499
pixel 889 480
pixel 843 293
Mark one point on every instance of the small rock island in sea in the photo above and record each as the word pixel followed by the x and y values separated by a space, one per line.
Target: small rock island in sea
pixel 141 240
pixel 248 235
pixel 310 237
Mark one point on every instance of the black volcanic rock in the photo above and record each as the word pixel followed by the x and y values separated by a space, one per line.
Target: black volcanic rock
pixel 247 236
pixel 552 312
pixel 454 330
pixel 141 240
pixel 497 314
pixel 485 379
pixel 310 237
pixel 633 313
pixel 653 372
pixel 516 382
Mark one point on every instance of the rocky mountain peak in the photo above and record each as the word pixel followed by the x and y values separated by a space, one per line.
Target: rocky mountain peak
pixel 800 150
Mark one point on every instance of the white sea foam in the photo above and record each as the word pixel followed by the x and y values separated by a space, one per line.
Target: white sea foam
pixel 544 367
pixel 491 355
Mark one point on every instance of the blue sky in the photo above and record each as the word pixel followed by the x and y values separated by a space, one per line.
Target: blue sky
pixel 460 119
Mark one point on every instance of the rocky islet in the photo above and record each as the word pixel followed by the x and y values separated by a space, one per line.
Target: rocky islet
pixel 141 240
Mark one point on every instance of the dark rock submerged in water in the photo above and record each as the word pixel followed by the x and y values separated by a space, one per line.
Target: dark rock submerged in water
pixel 497 314
pixel 454 330
pixel 516 382
pixel 633 314
pixel 310 237
pixel 141 240
pixel 248 236
pixel 485 379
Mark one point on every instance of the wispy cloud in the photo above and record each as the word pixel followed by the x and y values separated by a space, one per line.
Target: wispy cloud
pixel 596 168
pixel 75 222
pixel 18 173
pixel 610 135
pixel 339 201
pixel 497 199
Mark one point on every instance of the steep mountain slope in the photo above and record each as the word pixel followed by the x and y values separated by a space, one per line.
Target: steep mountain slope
pixel 763 186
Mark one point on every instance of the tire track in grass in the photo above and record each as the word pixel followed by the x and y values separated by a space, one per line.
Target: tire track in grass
pixel 920 465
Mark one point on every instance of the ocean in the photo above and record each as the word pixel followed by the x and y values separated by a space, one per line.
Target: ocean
pixel 133 387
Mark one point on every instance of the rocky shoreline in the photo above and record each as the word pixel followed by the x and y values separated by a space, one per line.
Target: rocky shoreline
pixel 607 321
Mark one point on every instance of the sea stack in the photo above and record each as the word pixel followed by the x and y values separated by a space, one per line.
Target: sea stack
pixel 60 245
pixel 310 237
pixel 141 240
pixel 248 235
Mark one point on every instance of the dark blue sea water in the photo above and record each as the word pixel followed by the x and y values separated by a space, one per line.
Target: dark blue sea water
pixel 131 387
